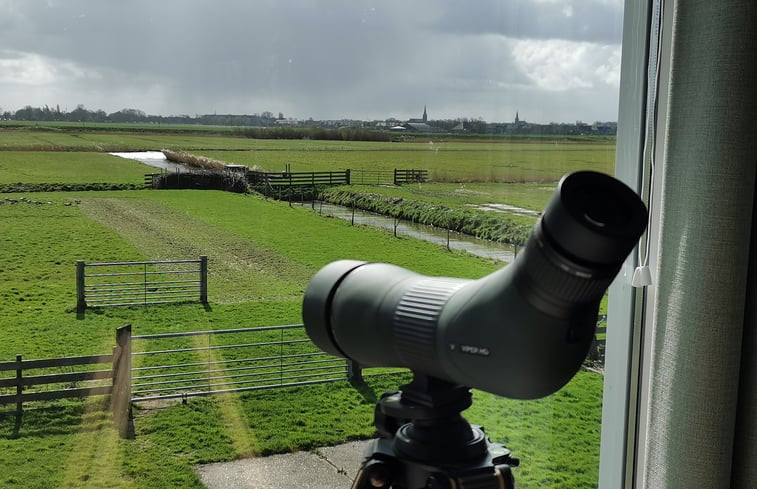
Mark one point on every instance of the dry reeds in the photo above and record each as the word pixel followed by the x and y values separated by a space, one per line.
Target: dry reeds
pixel 196 161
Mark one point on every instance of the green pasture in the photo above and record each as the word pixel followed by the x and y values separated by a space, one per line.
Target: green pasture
pixel 446 161
pixel 69 168
pixel 16 139
pixel 261 255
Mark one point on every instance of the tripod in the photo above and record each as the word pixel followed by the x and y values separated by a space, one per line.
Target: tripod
pixel 426 443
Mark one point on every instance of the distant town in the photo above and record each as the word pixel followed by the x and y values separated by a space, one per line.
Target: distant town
pixel 423 124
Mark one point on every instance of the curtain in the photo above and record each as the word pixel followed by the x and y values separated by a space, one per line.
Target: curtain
pixel 702 402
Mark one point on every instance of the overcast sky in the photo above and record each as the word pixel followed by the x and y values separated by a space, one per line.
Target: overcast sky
pixel 551 60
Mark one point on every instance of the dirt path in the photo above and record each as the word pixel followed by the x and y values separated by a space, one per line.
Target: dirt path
pixel 239 270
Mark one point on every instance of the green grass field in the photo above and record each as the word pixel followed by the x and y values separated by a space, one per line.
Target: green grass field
pixel 258 271
pixel 261 256
pixel 446 161
pixel 102 141
pixel 69 167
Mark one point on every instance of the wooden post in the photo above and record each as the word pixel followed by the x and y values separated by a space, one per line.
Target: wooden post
pixel 395 176
pixel 204 279
pixel 19 387
pixel 81 302
pixel 347 176
pixel 121 397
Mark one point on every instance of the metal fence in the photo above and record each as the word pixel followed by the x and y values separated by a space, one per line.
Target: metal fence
pixel 140 283
pixel 198 363
pixel 372 177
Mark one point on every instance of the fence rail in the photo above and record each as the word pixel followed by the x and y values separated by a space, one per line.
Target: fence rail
pixel 299 179
pixel 162 282
pixel 46 381
pixel 402 177
pixel 372 177
pixel 250 359
pixel 21 381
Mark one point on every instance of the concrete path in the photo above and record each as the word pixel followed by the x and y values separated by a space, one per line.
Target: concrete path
pixel 324 468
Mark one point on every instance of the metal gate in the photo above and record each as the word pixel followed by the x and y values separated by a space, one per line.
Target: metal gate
pixel 199 363
pixel 141 282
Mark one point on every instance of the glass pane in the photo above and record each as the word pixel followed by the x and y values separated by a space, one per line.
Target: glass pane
pixel 272 138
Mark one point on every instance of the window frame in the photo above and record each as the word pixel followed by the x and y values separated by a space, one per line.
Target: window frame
pixel 623 380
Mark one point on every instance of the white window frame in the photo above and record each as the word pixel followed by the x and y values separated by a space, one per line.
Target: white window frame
pixel 624 383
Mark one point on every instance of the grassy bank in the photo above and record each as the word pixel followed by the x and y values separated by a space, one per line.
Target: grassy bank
pixel 261 255
pixel 494 227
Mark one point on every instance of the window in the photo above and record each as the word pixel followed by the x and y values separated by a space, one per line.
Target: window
pixel 457 116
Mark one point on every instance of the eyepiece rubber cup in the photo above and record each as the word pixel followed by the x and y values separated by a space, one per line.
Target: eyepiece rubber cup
pixel 594 218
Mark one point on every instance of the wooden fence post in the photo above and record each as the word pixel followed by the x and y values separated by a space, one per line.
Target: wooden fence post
pixel 347 176
pixel 204 279
pixel 121 397
pixel 81 302
pixel 19 387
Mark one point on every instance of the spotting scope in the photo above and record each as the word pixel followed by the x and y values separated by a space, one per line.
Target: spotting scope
pixel 521 332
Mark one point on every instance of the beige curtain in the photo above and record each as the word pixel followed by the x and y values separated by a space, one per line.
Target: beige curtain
pixel 701 429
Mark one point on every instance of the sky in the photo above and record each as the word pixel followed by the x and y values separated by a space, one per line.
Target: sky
pixel 549 60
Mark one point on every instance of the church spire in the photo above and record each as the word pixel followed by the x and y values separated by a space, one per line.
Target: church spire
pixel 517 119
pixel 425 116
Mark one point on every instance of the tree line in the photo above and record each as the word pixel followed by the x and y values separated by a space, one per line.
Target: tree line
pixel 82 114
pixel 268 125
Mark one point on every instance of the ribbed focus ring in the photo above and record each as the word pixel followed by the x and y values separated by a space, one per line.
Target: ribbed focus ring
pixel 554 279
pixel 415 319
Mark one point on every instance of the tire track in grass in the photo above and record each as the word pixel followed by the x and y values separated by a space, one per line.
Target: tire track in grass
pixel 229 408
pixel 236 266
pixel 95 458
pixel 239 270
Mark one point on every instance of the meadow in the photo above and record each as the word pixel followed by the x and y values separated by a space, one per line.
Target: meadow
pixel 69 168
pixel 446 161
pixel 261 254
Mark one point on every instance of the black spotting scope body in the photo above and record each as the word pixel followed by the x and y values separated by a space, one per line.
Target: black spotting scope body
pixel 520 332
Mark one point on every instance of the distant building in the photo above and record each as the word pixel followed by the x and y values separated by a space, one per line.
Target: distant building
pixel 420 125
pixel 422 120
pixel 518 123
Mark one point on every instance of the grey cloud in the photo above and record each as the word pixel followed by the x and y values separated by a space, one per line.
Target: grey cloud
pixel 572 20
pixel 324 59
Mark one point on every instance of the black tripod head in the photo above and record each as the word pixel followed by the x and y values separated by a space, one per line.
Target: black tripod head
pixel 426 443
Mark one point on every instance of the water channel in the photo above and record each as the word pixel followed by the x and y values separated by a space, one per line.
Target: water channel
pixel 443 237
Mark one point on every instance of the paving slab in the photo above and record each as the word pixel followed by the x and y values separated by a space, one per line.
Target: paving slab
pixel 324 468
pixel 346 457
